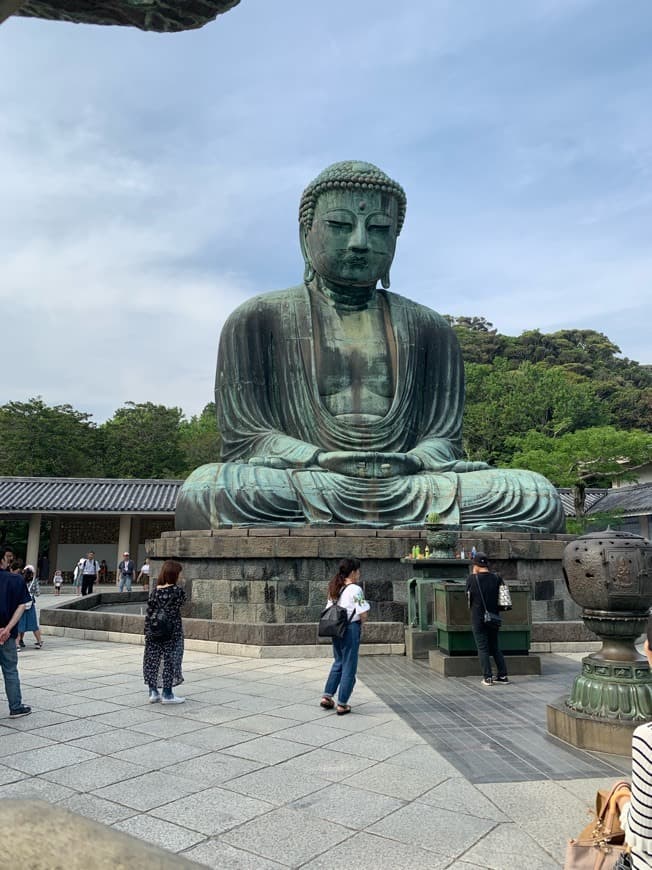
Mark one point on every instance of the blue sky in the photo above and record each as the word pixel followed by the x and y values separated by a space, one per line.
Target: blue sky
pixel 150 182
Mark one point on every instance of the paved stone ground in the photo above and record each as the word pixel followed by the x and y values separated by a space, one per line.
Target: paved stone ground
pixel 251 773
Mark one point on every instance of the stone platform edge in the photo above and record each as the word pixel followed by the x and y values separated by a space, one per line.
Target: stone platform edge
pixel 225 648
pixel 77 619
pixel 349 531
pixel 327 542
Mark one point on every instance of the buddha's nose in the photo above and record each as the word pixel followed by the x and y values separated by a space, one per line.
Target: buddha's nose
pixel 359 241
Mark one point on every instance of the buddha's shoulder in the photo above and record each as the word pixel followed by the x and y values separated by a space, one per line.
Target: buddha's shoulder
pixel 416 309
pixel 269 302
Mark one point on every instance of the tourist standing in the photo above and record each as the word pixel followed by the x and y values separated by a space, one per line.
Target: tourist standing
pixel 57 581
pixel 29 619
pixel 164 636
pixel 482 594
pixel 90 571
pixel 145 574
pixel 77 575
pixel 103 574
pixel 13 598
pixel 344 590
pixel 126 571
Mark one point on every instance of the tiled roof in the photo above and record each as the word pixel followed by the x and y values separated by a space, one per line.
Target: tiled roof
pixel 591 496
pixel 83 495
pixel 632 500
pixel 87 495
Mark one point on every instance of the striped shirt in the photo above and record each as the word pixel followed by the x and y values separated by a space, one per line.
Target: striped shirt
pixel 636 817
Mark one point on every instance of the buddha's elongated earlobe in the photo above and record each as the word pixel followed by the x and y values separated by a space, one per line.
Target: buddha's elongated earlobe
pixel 309 269
pixel 385 281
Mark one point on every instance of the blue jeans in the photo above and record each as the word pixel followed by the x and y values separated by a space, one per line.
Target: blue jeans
pixel 345 664
pixel 9 665
pixel 125 580
pixel 486 640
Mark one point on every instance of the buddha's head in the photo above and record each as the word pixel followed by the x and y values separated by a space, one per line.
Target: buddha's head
pixel 350 217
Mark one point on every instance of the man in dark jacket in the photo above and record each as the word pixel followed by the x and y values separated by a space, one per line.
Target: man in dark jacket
pixel 482 592
pixel 13 598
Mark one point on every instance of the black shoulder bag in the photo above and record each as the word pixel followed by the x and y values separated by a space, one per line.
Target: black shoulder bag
pixel 333 620
pixel 489 618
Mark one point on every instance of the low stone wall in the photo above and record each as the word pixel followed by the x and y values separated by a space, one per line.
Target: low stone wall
pixel 78 619
pixel 279 575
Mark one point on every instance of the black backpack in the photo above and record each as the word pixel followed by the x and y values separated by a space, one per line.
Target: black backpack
pixel 161 626
pixel 334 620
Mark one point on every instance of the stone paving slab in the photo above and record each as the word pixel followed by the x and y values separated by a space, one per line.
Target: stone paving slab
pixel 288 836
pixel 251 773
pixel 505 846
pixel 213 811
pixel 277 784
pixel 164 834
pixel 365 851
pixel 345 804
pixel 94 774
pixel 441 831
pixel 221 856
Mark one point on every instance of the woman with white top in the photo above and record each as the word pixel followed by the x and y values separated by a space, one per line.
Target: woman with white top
pixel 145 574
pixel 344 590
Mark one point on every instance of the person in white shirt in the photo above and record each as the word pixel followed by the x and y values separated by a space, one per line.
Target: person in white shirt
pixel 344 590
pixel 90 570
pixel 145 574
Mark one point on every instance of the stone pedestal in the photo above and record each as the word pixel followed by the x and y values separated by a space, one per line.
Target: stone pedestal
pixel 586 732
pixel 469 666
pixel 277 576
pixel 608 573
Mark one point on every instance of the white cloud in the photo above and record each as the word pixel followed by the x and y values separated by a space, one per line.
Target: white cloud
pixel 151 183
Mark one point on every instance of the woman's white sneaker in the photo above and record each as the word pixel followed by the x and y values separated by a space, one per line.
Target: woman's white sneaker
pixel 175 699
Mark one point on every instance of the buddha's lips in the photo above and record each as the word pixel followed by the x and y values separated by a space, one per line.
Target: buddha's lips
pixel 356 261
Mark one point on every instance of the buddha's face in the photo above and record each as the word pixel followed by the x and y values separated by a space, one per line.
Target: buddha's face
pixel 353 236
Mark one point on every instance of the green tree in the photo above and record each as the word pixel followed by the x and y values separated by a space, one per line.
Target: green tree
pixel 583 351
pixel 503 402
pixel 479 341
pixel 143 440
pixel 589 457
pixel 39 440
pixel 200 439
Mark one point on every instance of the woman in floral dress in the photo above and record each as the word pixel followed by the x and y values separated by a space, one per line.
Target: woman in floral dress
pixel 162 659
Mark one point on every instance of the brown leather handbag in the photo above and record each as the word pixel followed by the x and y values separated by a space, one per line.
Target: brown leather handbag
pixel 602 842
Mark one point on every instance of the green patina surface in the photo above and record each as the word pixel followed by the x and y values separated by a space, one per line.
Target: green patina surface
pixel 340 401
pixel 620 690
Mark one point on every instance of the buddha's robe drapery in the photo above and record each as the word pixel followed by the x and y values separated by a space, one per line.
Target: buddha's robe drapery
pixel 274 424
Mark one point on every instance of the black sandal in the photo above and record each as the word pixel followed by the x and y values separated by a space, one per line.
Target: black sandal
pixel 343 709
pixel 327 703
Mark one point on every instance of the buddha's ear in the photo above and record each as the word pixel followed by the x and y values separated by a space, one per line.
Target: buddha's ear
pixel 309 269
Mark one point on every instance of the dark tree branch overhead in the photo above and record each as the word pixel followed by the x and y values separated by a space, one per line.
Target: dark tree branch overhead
pixel 8 7
pixel 163 16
